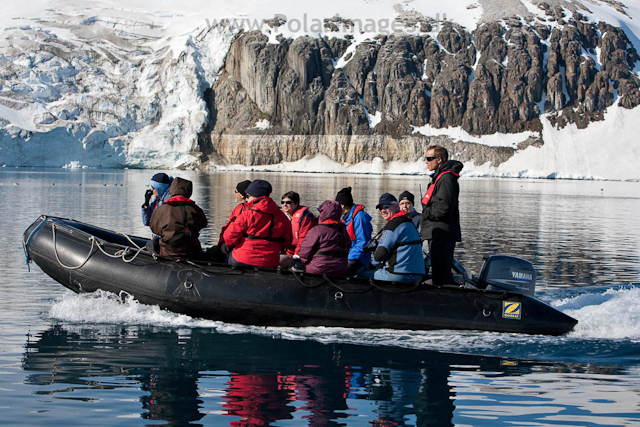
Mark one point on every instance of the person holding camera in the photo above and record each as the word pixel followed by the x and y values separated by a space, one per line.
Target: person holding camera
pixel 398 255
pixel 153 198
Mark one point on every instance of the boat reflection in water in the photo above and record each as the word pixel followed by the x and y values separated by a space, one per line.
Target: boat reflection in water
pixel 249 380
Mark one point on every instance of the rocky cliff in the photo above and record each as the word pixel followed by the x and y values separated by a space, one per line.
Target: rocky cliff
pixel 356 100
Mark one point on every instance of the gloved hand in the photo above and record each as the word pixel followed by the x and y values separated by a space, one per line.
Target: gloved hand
pixel 147 197
pixel 354 266
pixel 225 249
pixel 298 266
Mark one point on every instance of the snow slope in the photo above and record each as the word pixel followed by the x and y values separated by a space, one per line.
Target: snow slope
pixel 115 83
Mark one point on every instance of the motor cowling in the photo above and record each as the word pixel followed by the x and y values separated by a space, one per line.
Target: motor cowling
pixel 509 273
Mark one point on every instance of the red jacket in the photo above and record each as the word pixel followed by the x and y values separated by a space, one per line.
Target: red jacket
pixel 259 234
pixel 302 221
pixel 235 213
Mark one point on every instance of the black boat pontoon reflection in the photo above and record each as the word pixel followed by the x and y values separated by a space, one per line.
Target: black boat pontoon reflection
pixel 85 258
pixel 263 379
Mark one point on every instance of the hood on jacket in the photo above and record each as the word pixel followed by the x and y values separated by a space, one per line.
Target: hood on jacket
pixel 449 165
pixel 181 187
pixel 330 209
pixel 264 204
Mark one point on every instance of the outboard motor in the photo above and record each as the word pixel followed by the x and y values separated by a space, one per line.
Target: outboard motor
pixel 508 273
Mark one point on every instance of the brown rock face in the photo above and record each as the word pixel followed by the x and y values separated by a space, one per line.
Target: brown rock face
pixel 498 79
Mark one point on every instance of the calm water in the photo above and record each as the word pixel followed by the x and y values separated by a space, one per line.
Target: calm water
pixel 84 360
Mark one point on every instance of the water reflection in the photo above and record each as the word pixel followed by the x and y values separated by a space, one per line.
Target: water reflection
pixel 249 380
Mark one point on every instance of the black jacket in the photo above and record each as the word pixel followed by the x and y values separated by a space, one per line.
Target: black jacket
pixel 441 216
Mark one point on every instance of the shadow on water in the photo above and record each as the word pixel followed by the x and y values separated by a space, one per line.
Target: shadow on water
pixel 180 377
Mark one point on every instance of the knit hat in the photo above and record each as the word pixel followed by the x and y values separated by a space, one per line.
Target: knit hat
pixel 258 188
pixel 242 187
pixel 386 199
pixel 344 197
pixel 408 196
pixel 161 182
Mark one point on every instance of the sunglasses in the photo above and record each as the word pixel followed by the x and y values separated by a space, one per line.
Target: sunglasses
pixel 384 207
pixel 287 202
pixel 430 159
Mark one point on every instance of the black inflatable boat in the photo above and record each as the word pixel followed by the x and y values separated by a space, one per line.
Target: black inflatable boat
pixel 86 258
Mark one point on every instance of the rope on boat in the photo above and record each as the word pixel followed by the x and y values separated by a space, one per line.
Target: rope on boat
pixel 122 253
pixel 224 271
pixel 55 250
pixel 404 291
pixel 302 282
pixel 325 280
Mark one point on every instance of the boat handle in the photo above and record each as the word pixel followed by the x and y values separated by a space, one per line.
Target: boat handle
pixel 338 295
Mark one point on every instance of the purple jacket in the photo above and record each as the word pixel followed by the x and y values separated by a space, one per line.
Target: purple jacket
pixel 325 248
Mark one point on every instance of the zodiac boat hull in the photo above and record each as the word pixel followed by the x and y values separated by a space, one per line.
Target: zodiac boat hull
pixel 86 258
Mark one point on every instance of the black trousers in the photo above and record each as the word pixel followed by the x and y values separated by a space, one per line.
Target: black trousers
pixel 441 251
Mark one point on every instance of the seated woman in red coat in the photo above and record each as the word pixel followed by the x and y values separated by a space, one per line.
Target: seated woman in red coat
pixel 220 252
pixel 302 220
pixel 178 221
pixel 259 233
pixel 326 246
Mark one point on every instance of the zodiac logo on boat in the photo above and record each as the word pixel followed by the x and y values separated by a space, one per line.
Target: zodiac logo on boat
pixel 511 310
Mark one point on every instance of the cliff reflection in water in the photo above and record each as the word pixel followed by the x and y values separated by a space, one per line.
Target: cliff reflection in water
pixel 248 380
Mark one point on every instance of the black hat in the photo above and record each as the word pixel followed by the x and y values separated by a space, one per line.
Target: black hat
pixel 344 197
pixel 258 188
pixel 386 199
pixel 242 187
pixel 162 178
pixel 408 196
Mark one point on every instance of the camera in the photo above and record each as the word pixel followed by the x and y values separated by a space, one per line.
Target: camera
pixel 371 245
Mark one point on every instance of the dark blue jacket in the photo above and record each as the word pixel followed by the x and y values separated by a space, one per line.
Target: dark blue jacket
pixel 158 201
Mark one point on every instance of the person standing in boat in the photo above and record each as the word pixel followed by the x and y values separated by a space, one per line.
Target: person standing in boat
pixel 326 247
pixel 178 222
pixel 261 232
pixel 302 220
pixel 221 250
pixel 398 256
pixel 153 198
pixel 359 227
pixel 440 221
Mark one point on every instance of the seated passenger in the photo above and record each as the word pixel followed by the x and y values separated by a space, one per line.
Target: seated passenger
pixel 156 195
pixel 406 201
pixel 398 257
pixel 153 198
pixel 220 252
pixel 178 222
pixel 326 247
pixel 259 233
pixel 359 227
pixel 302 220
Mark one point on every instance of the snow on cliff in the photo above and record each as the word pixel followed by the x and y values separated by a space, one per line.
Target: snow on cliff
pixel 115 83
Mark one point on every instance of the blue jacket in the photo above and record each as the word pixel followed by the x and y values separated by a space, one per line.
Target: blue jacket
pixel 362 228
pixel 400 248
pixel 158 201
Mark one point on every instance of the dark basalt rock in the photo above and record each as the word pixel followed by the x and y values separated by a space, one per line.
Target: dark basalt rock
pixel 496 80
